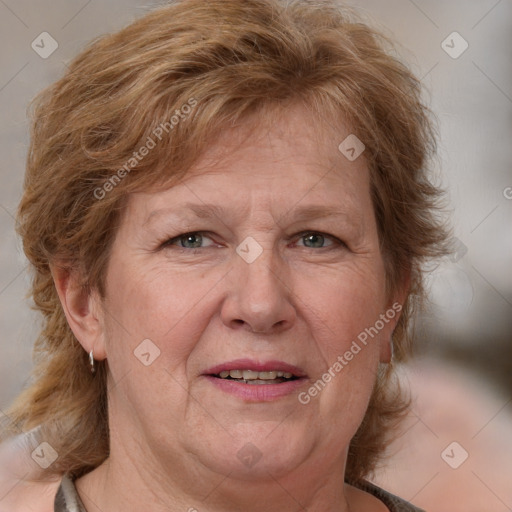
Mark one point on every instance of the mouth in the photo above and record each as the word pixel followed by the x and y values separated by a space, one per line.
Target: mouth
pixel 255 377
pixel 255 381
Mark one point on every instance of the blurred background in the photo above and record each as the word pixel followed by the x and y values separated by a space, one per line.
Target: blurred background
pixel 455 452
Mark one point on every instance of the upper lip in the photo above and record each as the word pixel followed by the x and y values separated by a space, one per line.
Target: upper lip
pixel 256 366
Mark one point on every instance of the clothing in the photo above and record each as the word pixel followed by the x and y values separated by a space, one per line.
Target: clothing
pixel 394 503
pixel 67 499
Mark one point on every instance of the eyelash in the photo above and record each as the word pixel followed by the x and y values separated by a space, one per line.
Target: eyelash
pixel 170 242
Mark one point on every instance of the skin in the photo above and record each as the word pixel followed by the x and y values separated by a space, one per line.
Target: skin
pixel 174 435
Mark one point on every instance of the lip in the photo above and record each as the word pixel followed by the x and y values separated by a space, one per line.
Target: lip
pixel 256 392
pixel 256 366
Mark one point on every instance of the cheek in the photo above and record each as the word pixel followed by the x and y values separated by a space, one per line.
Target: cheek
pixel 153 322
pixel 342 304
pixel 167 307
pixel 342 312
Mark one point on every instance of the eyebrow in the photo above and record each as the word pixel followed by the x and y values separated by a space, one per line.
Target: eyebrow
pixel 302 213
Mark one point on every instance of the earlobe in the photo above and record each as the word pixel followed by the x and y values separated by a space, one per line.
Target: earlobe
pixel 83 310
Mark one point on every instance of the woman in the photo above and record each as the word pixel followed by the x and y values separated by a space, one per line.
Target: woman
pixel 226 208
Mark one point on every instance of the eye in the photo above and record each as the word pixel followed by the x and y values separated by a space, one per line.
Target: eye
pixel 315 240
pixel 192 240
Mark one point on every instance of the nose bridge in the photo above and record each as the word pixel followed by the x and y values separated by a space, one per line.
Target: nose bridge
pixel 259 277
pixel 258 295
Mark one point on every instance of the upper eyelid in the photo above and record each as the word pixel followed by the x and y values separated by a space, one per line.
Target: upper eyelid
pixel 313 232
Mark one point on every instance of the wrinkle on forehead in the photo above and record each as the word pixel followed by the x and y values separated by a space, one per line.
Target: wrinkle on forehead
pixel 290 121
pixel 298 142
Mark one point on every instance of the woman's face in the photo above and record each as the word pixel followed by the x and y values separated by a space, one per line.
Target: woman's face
pixel 263 259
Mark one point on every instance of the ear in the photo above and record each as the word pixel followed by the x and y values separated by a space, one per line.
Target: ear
pixel 82 309
pixel 391 317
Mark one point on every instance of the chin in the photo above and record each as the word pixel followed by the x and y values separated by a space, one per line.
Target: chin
pixel 255 453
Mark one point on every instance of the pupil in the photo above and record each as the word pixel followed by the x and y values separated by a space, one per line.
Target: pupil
pixel 194 240
pixel 316 240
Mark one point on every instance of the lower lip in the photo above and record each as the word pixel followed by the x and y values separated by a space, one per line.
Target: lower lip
pixel 257 392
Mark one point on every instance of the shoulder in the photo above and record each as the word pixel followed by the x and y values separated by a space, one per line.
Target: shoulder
pixel 24 486
pixel 24 495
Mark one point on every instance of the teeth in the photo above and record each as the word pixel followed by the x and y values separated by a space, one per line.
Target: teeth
pixel 252 375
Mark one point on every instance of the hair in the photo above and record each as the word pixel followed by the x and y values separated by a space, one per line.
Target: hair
pixel 227 61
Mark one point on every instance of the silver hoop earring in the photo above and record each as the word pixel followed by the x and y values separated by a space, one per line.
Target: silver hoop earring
pixel 91 361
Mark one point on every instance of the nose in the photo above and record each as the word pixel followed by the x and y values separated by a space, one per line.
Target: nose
pixel 260 297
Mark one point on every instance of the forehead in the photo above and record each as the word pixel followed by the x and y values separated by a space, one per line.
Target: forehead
pixel 293 135
pixel 288 157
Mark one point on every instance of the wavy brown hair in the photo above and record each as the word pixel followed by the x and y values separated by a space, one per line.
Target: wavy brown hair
pixel 233 60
